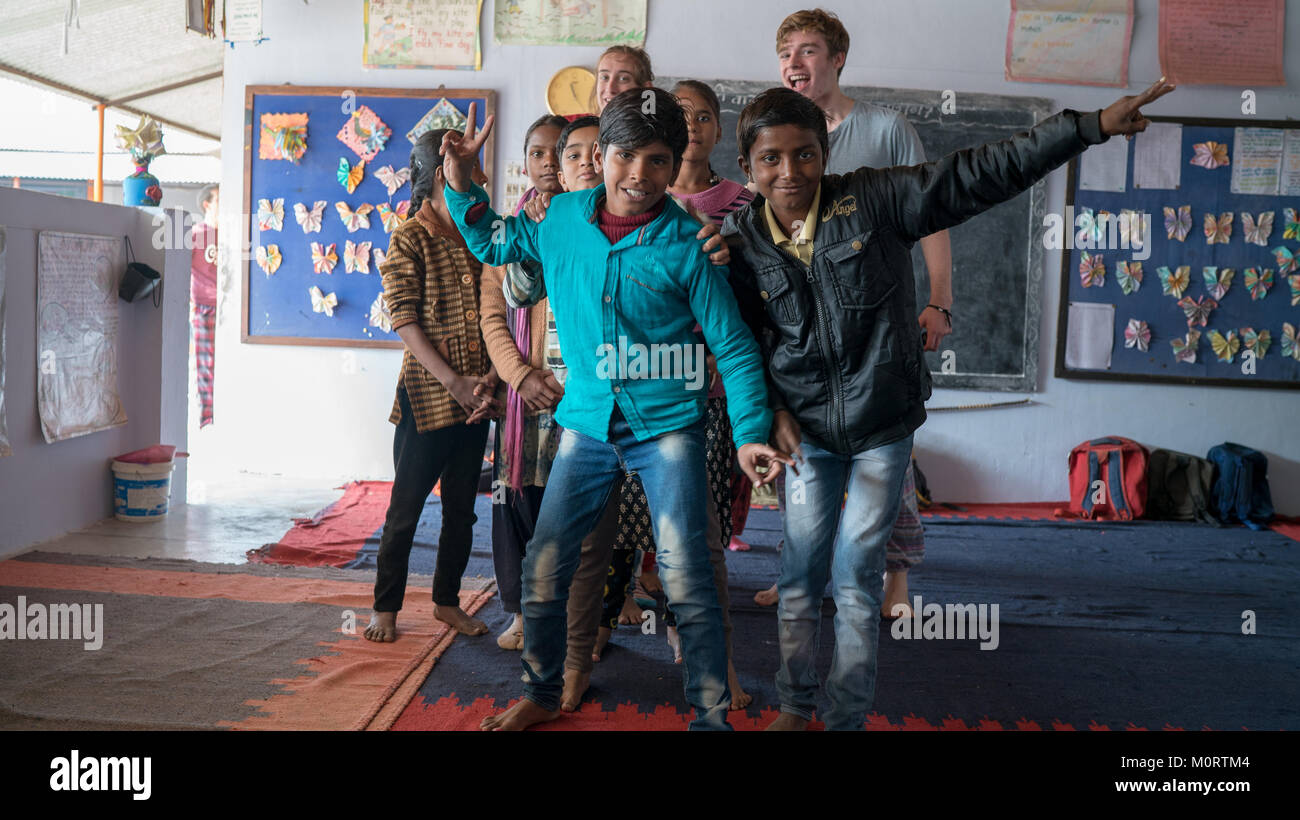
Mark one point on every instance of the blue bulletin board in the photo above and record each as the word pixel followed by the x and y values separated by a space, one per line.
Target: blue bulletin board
pixel 278 307
pixel 1240 308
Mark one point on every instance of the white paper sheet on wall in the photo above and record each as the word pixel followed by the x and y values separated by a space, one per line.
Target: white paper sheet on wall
pixel 5 449
pixel 1104 167
pixel 1157 155
pixel 76 333
pixel 1091 336
pixel 1289 184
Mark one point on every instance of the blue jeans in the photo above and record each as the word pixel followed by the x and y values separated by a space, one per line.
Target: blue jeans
pixel 850 548
pixel 672 472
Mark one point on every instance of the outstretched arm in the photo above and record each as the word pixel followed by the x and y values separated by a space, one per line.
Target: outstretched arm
pixel 926 198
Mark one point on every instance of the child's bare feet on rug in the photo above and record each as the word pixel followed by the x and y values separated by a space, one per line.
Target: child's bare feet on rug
pixel 513 637
pixel 523 714
pixel 739 697
pixel 675 641
pixel 737 545
pixel 895 604
pixel 457 619
pixel 650 581
pixel 382 628
pixel 631 613
pixel 575 687
pixel 787 723
pixel 767 597
pixel 603 635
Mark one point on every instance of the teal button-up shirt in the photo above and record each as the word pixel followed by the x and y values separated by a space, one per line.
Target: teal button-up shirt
pixel 625 314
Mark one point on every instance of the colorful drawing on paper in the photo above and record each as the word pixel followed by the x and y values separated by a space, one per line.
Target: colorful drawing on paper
pixel 569 22
pixel 422 34
pixel 1069 41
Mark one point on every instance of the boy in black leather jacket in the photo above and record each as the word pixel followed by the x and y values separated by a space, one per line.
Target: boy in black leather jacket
pixel 821 266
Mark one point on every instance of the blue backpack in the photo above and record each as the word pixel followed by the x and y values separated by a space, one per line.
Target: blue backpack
pixel 1241 490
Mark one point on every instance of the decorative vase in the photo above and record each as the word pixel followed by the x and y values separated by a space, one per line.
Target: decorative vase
pixel 141 188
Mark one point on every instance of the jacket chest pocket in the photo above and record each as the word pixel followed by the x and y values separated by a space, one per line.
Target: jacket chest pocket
pixel 861 275
pixel 645 292
pixel 779 297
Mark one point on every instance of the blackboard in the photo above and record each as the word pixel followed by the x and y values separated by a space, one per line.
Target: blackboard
pixel 1206 191
pixel 996 257
pixel 277 308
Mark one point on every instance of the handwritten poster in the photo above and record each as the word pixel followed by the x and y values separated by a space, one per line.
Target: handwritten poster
pixel 243 21
pixel 422 34
pixel 1081 42
pixel 1290 182
pixel 569 22
pixel 4 433
pixel 1222 42
pixel 76 333
pixel 1256 161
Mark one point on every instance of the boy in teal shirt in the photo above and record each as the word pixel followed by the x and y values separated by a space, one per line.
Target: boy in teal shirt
pixel 627 285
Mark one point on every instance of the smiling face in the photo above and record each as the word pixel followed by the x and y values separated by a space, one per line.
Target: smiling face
pixel 579 167
pixel 540 162
pixel 786 163
pixel 807 65
pixel 615 74
pixel 636 178
pixel 701 123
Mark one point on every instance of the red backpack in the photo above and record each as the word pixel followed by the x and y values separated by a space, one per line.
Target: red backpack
pixel 1108 479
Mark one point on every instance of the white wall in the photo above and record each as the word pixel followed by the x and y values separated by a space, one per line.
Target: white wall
pixel 300 410
pixel 50 489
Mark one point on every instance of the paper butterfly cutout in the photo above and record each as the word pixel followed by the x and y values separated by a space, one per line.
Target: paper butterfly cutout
pixel 322 303
pixel 1175 282
pixel 1177 227
pixel 309 219
pixel 393 179
pixel 1137 334
pixel 268 258
pixel 1092 271
pixel 365 133
pixel 1216 282
pixel 323 257
pixel 1197 310
pixel 1258 283
pixel 380 257
pixel 353 220
pixel 1290 224
pixel 379 316
pixel 270 214
pixel 1287 261
pixel 1132 229
pixel 1210 155
pixel 350 176
pixel 356 256
pixel 1129 275
pixel 1218 231
pixel 1258 342
pixel 1185 348
pixel 1290 346
pixel 1294 281
pixel 1225 347
pixel 393 217
pixel 1092 229
pixel 1255 232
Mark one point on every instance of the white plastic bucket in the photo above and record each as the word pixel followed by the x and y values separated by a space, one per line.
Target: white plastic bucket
pixel 141 491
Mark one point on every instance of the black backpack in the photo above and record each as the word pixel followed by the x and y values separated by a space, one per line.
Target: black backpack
pixel 1180 487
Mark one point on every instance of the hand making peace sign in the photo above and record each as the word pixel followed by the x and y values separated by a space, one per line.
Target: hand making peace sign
pixel 459 153
pixel 1123 116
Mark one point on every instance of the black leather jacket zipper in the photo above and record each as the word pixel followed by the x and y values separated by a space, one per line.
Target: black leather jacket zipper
pixel 836 414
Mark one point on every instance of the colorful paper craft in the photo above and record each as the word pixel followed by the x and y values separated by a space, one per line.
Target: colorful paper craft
pixel 1290 224
pixel 1258 342
pixel 350 176
pixel 1225 347
pixel 1185 348
pixel 1173 283
pixel 270 214
pixel 268 258
pixel 1092 271
pixel 1256 231
pixel 323 257
pixel 393 179
pixel 1258 282
pixel 1287 260
pixel 1129 275
pixel 1137 334
pixel 381 256
pixel 1290 345
pixel 356 257
pixel 1217 232
pixel 1178 225
pixel 442 115
pixel 379 316
pixel 283 136
pixel 365 133
pixel 1197 310
pixel 392 217
pixel 1294 281
pixel 321 302
pixel 1217 281
pixel 310 219
pixel 1210 155
pixel 354 220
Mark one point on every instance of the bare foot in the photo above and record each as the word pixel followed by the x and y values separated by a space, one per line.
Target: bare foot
pixel 513 637
pixel 575 686
pixel 737 545
pixel 455 617
pixel 739 697
pixel 383 627
pixel 767 597
pixel 786 722
pixel 650 581
pixel 675 641
pixel 895 604
pixel 631 613
pixel 523 714
pixel 602 640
